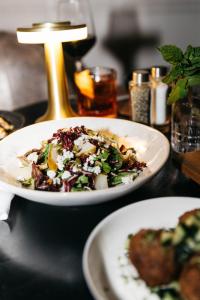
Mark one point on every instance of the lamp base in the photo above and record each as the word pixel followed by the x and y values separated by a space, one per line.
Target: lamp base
pixel 59 106
pixel 51 115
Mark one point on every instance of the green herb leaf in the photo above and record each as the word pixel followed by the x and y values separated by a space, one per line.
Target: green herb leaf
pixel 192 53
pixel 196 61
pixel 27 182
pixel 185 71
pixel 82 180
pixel 46 153
pixel 116 156
pixel 171 54
pixel 174 74
pixel 60 173
pixel 118 164
pixel 124 174
pixel 179 91
pixel 77 189
pixel 66 160
pixel 191 70
pixel 105 154
pixel 116 180
pixel 194 80
pixel 188 52
pixel 106 167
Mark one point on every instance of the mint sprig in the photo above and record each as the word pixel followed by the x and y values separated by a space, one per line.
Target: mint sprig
pixel 184 72
pixel 171 54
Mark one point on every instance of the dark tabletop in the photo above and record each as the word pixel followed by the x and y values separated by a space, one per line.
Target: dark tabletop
pixel 41 246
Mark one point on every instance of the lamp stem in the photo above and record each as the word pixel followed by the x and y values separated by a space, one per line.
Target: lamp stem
pixel 58 106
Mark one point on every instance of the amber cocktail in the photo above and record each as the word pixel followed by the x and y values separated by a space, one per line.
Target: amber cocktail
pixel 97 92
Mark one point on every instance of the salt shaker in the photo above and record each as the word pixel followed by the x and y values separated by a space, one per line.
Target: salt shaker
pixel 158 107
pixel 139 90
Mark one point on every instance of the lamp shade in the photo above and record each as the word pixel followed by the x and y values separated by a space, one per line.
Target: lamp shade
pixel 41 33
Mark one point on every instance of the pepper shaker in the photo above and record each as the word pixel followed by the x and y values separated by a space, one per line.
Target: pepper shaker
pixel 139 90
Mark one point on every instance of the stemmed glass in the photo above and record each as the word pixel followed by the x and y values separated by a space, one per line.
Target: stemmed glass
pixel 77 12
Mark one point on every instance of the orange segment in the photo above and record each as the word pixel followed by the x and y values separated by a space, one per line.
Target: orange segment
pixel 85 83
pixel 51 162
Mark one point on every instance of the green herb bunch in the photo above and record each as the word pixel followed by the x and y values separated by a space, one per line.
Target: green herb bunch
pixel 184 72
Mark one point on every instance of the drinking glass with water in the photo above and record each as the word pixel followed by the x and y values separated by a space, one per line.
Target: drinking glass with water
pixel 185 131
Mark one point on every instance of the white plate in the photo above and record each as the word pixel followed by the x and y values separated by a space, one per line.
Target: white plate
pixel 105 265
pixel 151 146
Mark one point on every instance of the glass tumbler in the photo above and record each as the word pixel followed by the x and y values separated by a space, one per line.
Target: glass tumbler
pixel 97 92
pixel 185 130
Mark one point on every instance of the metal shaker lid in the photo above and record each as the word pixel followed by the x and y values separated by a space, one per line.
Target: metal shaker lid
pixel 140 76
pixel 158 71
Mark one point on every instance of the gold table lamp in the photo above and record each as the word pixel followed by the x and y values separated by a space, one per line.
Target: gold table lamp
pixel 52 35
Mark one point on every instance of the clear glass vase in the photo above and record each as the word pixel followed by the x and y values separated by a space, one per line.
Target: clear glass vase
pixel 185 125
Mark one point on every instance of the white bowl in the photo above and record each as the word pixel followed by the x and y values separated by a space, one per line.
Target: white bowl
pixel 107 270
pixel 151 146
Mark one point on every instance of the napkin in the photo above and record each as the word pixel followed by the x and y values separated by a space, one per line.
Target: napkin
pixel 5 202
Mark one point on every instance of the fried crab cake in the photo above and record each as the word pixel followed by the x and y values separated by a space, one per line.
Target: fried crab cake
pixel 190 279
pixel 152 254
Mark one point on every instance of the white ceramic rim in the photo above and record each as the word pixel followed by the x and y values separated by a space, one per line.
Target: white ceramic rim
pixel 92 195
pixel 101 224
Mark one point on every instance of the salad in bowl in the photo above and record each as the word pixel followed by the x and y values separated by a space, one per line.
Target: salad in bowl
pixel 80 159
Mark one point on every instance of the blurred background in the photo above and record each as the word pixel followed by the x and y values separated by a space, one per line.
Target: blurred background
pixel 127 33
